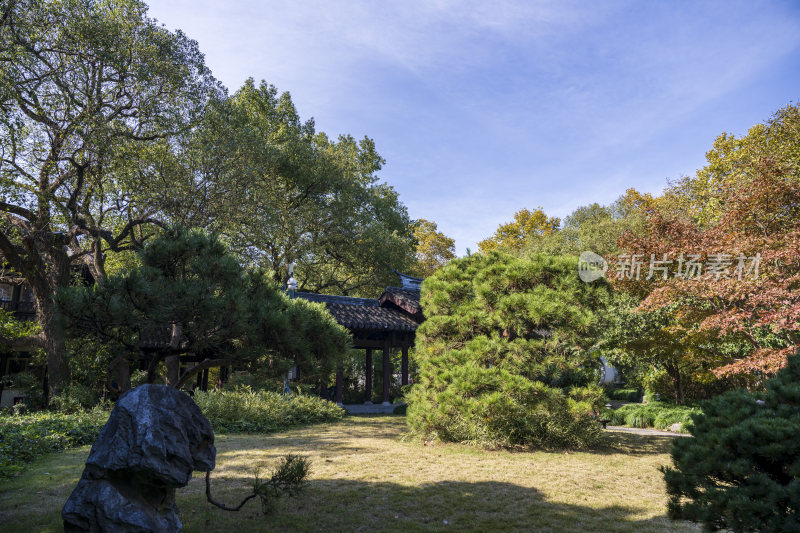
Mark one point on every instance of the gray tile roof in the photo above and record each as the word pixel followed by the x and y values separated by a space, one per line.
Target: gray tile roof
pixel 406 299
pixel 363 313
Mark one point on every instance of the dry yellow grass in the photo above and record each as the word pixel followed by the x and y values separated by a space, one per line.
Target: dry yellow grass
pixel 366 477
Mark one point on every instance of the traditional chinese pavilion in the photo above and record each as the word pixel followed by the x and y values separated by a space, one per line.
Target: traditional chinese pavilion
pixel 387 323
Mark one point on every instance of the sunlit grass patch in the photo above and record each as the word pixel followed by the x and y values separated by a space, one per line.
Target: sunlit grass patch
pixel 365 476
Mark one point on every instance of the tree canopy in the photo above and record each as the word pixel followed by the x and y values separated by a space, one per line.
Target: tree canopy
pixel 434 249
pixel 86 87
pixel 279 192
pixel 512 237
pixel 747 246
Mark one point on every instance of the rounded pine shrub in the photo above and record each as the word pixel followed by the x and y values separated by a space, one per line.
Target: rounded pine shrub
pixel 501 354
pixel 741 472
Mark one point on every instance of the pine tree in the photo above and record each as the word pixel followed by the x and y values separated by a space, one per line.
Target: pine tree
pixel 502 354
pixel 224 313
pixel 741 471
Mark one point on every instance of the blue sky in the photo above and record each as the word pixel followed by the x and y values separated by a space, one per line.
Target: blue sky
pixel 483 108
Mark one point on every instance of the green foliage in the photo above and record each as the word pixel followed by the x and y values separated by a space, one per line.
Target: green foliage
pixel 433 248
pixel 23 438
pixel 244 410
pixel 658 415
pixel 11 328
pixel 31 388
pixel 225 311
pixel 512 237
pixel 92 92
pixel 664 345
pixel 502 357
pixel 73 399
pixel 741 472
pixel 592 227
pixel 280 192
pixel 89 358
pixel 288 479
pixel 696 386
pixel 733 161
pixel 624 395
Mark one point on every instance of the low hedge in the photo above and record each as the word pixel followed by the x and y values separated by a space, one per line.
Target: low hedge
pixel 624 395
pixel 658 415
pixel 244 410
pixel 23 438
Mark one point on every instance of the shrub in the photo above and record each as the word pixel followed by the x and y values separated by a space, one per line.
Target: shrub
pixel 499 354
pixel 658 415
pixel 243 410
pixel 742 470
pixel 696 386
pixel 26 437
pixel 625 395
pixel 31 387
pixel 73 399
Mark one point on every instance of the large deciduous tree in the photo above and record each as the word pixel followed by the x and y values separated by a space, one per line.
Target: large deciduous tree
pixel 740 218
pixel 280 193
pixel 87 89
pixel 434 249
pixel 593 227
pixel 512 237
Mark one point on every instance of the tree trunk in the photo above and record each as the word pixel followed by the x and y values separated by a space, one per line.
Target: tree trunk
pixel 173 362
pixel 677 383
pixel 120 374
pixel 54 344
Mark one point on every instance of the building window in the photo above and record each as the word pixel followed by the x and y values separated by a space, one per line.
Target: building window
pixel 26 295
pixel 6 292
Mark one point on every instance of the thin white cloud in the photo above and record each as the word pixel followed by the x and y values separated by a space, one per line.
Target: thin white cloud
pixel 482 108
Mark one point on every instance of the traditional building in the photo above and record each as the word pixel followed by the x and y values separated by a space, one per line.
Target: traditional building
pixel 16 296
pixel 387 323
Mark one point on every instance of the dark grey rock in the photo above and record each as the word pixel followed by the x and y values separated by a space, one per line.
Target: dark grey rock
pixel 153 440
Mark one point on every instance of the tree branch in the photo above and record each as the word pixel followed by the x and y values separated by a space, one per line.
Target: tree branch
pixel 22 343
pixel 17 210
pixel 212 501
pixel 208 363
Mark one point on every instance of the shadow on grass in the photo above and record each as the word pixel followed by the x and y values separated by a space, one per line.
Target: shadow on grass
pixel 632 444
pixel 330 437
pixel 347 505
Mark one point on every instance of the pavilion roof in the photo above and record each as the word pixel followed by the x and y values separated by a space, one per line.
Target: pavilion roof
pixel 406 299
pixel 369 313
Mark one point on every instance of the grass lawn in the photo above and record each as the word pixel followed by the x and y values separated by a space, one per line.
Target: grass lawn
pixel 366 477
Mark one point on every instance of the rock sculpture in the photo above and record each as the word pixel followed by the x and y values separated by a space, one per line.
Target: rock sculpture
pixel 153 440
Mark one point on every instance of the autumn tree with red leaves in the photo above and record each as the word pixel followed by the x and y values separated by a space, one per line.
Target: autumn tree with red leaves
pixel 739 219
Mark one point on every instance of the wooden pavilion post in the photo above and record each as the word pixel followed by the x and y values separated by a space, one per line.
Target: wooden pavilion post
pixel 387 370
pixel 368 379
pixel 205 379
pixel 339 380
pixel 404 366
